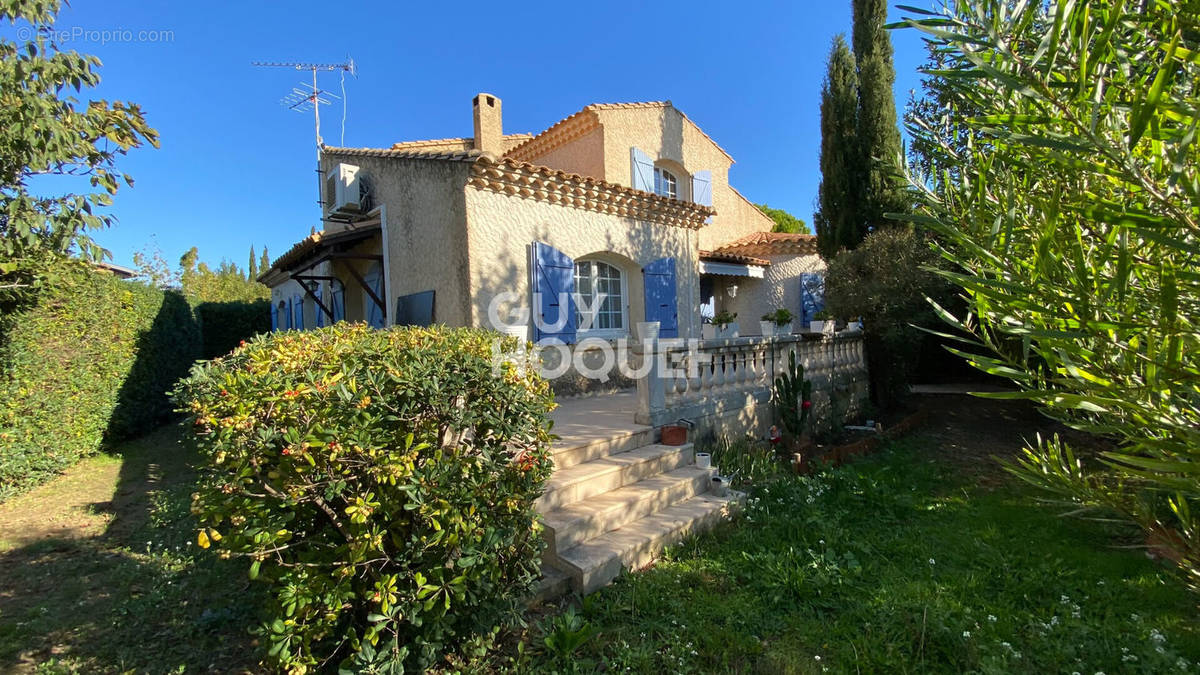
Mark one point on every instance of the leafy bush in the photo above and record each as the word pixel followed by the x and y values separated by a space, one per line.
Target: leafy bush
pixel 223 325
pixel 89 358
pixel 1070 203
pixel 381 481
pixel 885 282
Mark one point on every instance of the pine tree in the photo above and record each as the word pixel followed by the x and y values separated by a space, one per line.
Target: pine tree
pixel 878 136
pixel 838 221
pixel 252 267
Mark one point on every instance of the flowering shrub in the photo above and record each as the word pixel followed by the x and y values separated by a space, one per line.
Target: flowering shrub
pixel 381 481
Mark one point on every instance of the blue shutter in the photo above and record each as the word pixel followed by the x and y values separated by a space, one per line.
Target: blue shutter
pixel 299 310
pixel 317 307
pixel 554 294
pixel 702 188
pixel 374 311
pixel 641 171
pixel 290 313
pixel 661 305
pixel 274 318
pixel 337 300
pixel 812 295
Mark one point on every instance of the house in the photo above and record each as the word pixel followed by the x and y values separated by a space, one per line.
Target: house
pixel 628 200
pixel 618 214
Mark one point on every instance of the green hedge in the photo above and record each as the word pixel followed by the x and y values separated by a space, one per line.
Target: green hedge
pixel 381 481
pixel 223 325
pixel 90 359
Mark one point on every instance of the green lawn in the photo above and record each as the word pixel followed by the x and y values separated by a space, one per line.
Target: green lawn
pixel 897 563
pixel 923 558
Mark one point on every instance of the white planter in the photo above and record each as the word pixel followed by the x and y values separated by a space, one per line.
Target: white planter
pixel 821 326
pixel 728 331
pixel 708 331
pixel 720 486
pixel 648 330
pixel 703 460
pixel 785 329
pixel 767 328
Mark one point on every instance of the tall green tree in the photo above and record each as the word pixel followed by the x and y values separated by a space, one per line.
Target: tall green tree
pixel 1074 225
pixel 227 283
pixel 878 136
pixel 46 131
pixel 784 221
pixel 837 219
pixel 264 263
pixel 252 266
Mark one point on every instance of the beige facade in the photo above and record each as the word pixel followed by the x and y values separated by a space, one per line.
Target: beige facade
pixel 460 217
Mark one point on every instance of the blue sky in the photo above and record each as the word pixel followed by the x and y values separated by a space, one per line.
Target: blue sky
pixel 235 168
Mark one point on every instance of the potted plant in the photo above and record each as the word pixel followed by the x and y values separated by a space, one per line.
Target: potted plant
pixel 782 318
pixel 726 325
pixel 767 325
pixel 822 322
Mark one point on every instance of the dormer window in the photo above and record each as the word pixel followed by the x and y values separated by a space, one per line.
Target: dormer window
pixel 664 183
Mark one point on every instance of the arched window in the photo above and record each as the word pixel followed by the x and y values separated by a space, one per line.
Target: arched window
pixel 602 296
pixel 664 183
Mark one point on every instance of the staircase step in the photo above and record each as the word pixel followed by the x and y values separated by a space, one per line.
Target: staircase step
pixel 576 483
pixel 599 560
pixel 553 585
pixel 568 452
pixel 574 523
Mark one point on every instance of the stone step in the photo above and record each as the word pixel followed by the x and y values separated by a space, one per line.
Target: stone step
pixel 574 523
pixel 568 452
pixel 576 483
pixel 553 585
pixel 599 560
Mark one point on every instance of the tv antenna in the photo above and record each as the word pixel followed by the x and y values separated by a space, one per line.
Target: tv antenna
pixel 310 96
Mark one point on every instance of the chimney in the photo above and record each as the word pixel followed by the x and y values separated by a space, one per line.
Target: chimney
pixel 489 131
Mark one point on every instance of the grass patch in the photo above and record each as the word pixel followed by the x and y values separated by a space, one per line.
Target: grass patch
pixel 99 573
pixel 896 563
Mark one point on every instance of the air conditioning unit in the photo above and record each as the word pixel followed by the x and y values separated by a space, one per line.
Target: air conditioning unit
pixel 343 190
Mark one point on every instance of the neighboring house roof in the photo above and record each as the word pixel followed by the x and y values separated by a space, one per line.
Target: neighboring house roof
pixel 403 153
pixel 457 144
pixel 117 270
pixel 583 122
pixel 733 258
pixel 771 243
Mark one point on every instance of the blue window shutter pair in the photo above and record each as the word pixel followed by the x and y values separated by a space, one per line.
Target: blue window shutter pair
pixel 553 294
pixel 641 171
pixel 812 295
pixel 661 304
pixel 298 308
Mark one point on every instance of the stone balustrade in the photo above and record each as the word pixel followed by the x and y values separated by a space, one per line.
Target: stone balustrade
pixel 695 379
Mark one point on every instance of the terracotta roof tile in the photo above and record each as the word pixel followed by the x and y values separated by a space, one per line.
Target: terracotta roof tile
pixel 771 243
pixel 402 153
pixel 733 258
pixel 456 144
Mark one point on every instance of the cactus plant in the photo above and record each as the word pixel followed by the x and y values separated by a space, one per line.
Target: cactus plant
pixel 793 397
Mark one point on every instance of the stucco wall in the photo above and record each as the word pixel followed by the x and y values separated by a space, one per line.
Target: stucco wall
pixel 584 155
pixel 736 217
pixel 779 287
pixel 424 220
pixel 502 229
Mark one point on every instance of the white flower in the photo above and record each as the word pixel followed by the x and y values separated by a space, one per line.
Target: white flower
pixel 817 657
pixel 966 633
pixel 991 618
pixel 1156 636
pixel 932 561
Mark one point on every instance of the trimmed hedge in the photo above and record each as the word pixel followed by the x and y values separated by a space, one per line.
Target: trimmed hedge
pixel 224 325
pixel 90 359
pixel 381 481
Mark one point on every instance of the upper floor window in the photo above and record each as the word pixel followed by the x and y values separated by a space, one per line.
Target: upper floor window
pixel 664 183
pixel 593 279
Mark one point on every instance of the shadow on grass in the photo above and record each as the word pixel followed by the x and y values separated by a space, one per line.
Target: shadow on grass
pixel 140 596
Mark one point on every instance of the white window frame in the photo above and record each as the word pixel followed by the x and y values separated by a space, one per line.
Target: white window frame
pixel 665 183
pixel 623 278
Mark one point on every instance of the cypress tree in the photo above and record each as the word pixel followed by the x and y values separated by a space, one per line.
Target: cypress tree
pixel 838 221
pixel 878 136
pixel 252 267
pixel 265 263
